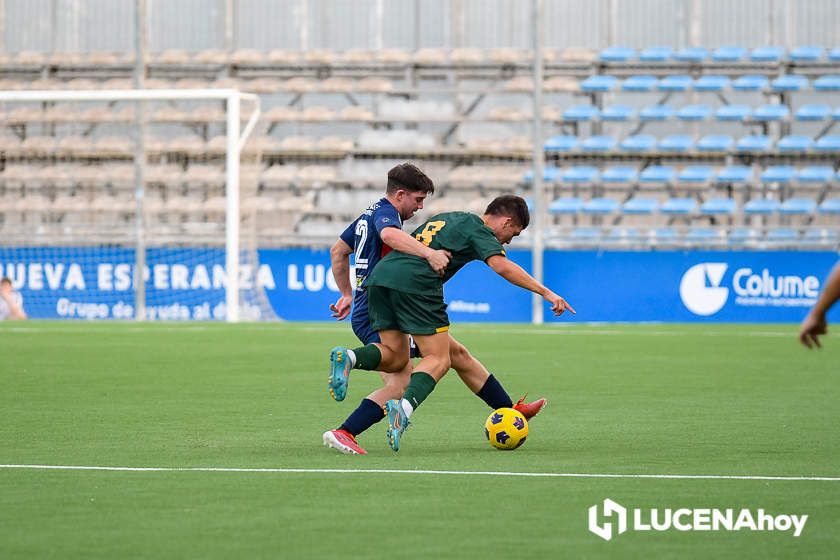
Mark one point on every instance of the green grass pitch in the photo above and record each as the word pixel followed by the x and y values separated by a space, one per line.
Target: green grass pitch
pixel 650 399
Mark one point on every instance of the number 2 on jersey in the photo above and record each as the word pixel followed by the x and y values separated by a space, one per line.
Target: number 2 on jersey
pixel 425 236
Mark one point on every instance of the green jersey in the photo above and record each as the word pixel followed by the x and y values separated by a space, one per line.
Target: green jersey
pixel 463 234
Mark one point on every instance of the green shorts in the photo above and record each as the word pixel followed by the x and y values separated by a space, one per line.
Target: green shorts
pixel 409 313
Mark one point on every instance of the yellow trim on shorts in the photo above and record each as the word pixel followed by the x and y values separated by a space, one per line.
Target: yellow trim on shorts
pixel 442 329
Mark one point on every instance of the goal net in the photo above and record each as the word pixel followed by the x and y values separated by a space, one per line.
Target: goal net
pixel 98 185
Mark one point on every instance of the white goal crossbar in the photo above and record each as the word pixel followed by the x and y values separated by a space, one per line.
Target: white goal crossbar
pixel 235 143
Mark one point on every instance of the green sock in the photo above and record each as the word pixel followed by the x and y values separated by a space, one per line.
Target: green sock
pixel 421 386
pixel 367 357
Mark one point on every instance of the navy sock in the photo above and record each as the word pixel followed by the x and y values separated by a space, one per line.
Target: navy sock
pixel 494 394
pixel 366 415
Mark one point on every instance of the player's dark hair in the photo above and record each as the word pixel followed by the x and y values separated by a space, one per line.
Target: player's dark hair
pixel 409 177
pixel 6 280
pixel 510 206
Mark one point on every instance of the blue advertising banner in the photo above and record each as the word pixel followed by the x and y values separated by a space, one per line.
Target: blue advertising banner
pixel 188 284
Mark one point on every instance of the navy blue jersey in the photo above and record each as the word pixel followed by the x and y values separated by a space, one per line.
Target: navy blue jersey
pixel 364 235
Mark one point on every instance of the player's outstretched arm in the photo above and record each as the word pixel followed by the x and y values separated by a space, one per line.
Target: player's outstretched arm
pixel 517 276
pixel 339 258
pixel 815 323
pixel 400 241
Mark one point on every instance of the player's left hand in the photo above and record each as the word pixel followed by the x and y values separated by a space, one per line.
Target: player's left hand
pixel 559 305
pixel 341 308
pixel 811 328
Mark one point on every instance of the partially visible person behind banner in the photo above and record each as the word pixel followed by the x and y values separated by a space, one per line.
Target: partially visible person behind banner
pixel 11 302
pixel 815 323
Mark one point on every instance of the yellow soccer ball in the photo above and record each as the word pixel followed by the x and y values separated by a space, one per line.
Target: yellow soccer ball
pixel 506 428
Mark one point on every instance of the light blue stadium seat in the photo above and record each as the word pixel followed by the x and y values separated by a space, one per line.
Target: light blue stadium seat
pixel 794 143
pixel 581 113
pixel 704 236
pixel 741 236
pixel 664 236
pixel 827 83
pixel 565 205
pixel 835 114
pixel 656 54
pixel 778 174
pixel 830 143
pixel 619 174
pixel 561 143
pixel 753 143
pixel 599 143
pixel 711 83
pixel 676 143
pixel 734 174
pixel 640 206
pixel 580 174
pixel 834 54
pixel 750 82
pixel 815 174
pixel 640 83
pixel 767 54
pixel 656 113
pixel 789 82
pixel 728 54
pixel 718 207
pixel 638 143
pixel 691 54
pixel 618 113
pixel 622 235
pixel 695 174
pixel 657 174
pixel 807 54
pixel 585 235
pixel 598 83
pixel 550 174
pixel 733 112
pixel 829 206
pixel 600 206
pixel 678 207
pixel 617 54
pixel 812 112
pixel 771 112
pixel 694 112
pixel 798 207
pixel 781 236
pixel 821 236
pixel 715 143
pixel 679 82
pixel 761 207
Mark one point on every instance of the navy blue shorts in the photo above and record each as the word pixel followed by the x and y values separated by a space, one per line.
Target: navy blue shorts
pixel 362 329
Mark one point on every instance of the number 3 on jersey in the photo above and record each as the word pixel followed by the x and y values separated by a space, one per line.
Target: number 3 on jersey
pixel 425 236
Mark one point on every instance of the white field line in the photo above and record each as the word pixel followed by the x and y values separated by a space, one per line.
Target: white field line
pixel 427 472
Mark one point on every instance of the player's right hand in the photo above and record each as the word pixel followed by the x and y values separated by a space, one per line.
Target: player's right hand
pixel 341 308
pixel 811 327
pixel 558 304
pixel 439 259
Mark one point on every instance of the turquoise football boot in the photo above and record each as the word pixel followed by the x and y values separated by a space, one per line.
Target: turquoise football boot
pixel 339 372
pixel 397 423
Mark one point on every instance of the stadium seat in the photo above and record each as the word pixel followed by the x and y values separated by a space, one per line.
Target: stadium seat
pixel 620 235
pixel 834 54
pixel 761 207
pixel 771 112
pixel 675 83
pixel 835 114
pixel 691 54
pixel 641 83
pixel 638 143
pixel 753 143
pixel 561 143
pixel 815 174
pixel 829 206
pixel 676 143
pixel 728 54
pixel 789 82
pixel 580 174
pixel 599 143
pixel 598 83
pixel 821 236
pixel 695 175
pixel 781 236
pixel 794 143
pixel 618 113
pixel 678 206
pixel 640 206
pixel 812 112
pixel 585 234
pixel 827 83
pixel 600 206
pixel 733 112
pixel 750 82
pixel 617 54
pixel 581 113
pixel 806 54
pixel 711 83
pixel 715 143
pixel 565 205
pixel 830 143
pixel 734 174
pixel 704 236
pixel 778 174
pixel 738 237
pixel 657 174
pixel 656 113
pixel 767 54
pixel 798 207
pixel 656 54
pixel 694 112
pixel 550 174
pixel 664 236
pixel 620 174
pixel 718 207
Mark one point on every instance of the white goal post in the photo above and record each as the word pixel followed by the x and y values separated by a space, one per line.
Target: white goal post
pixel 235 141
